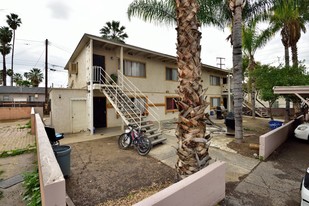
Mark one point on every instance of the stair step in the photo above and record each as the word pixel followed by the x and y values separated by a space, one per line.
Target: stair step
pixel 146 125
pixel 151 130
pixel 154 135
pixel 159 140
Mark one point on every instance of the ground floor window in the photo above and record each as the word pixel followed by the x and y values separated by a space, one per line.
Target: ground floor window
pixel 215 101
pixel 170 104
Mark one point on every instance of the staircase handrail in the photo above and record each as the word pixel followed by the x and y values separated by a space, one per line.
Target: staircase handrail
pixel 110 84
pixel 129 87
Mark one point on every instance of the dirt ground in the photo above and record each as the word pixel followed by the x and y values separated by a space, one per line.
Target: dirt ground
pixel 253 128
pixel 134 177
pixel 97 176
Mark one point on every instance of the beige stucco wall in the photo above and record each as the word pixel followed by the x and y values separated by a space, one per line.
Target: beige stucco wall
pixel 154 86
pixel 61 108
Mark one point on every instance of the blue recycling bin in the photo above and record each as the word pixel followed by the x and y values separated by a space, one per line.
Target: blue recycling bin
pixel 273 124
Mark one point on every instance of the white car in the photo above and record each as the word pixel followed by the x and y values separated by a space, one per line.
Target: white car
pixel 305 190
pixel 302 131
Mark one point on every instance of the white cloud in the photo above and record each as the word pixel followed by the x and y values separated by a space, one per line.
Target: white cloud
pixel 59 10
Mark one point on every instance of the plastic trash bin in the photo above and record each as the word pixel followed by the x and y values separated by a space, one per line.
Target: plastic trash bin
pixel 63 156
pixel 219 113
pixel 230 123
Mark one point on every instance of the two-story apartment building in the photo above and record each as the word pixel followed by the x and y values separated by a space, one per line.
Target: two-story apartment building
pixel 147 78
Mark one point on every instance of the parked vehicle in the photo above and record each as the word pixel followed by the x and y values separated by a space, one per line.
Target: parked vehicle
pixel 135 136
pixel 53 136
pixel 302 131
pixel 305 190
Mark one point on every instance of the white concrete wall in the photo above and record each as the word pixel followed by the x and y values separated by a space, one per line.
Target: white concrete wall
pixel 52 183
pixel 270 141
pixel 204 188
pixel 61 116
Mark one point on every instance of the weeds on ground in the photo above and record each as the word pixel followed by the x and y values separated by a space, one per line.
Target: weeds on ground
pixel 31 183
pixel 10 153
pixel 137 195
pixel 27 125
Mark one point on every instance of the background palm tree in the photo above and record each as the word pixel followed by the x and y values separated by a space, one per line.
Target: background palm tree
pixel 113 31
pixel 5 38
pixel 289 17
pixel 17 77
pixel 13 21
pixel 35 76
pixel 253 39
pixel 192 146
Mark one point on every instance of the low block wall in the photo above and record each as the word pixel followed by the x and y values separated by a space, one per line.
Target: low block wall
pixel 206 187
pixel 270 141
pixel 52 183
pixel 10 113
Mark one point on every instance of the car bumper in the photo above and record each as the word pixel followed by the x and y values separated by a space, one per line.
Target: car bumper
pixel 301 135
pixel 304 196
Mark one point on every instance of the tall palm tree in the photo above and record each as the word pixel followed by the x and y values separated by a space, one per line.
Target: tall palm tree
pixel 113 31
pixel 236 9
pixel 35 76
pixel 164 11
pixel 13 21
pixel 289 17
pixel 252 40
pixel 5 38
pixel 192 146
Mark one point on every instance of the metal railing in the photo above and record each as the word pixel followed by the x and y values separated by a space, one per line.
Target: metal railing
pixel 132 90
pixel 121 102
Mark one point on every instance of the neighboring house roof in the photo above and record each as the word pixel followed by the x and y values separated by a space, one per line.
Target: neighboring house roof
pixel 130 49
pixel 21 90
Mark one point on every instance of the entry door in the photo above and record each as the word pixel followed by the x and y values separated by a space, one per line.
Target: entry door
pixel 99 60
pixel 99 112
pixel 79 116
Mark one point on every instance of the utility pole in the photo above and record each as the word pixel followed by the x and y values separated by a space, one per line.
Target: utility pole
pixel 220 59
pixel 46 74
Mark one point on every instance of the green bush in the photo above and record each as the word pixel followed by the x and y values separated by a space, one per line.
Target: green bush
pixel 32 194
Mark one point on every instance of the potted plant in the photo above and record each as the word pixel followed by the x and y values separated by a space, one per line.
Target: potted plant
pixel 114 77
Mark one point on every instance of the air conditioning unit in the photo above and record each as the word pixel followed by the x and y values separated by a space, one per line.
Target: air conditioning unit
pixel 73 69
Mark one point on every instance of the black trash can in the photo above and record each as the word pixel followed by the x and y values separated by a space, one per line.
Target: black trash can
pixel 63 156
pixel 219 112
pixel 230 123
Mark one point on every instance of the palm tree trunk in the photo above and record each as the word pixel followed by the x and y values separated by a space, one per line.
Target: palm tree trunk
pixel 286 56
pixel 4 68
pixel 12 57
pixel 251 69
pixel 192 146
pixel 294 55
pixel 237 67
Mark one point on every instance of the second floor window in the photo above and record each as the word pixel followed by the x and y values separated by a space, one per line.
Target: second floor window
pixel 134 69
pixel 215 81
pixel 171 74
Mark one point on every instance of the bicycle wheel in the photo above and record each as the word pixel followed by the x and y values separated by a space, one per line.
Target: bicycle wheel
pixel 144 146
pixel 124 141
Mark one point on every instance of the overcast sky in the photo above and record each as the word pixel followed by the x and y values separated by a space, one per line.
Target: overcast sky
pixel 63 23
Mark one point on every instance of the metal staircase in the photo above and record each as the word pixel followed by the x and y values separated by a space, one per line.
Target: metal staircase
pixel 131 104
pixel 247 109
